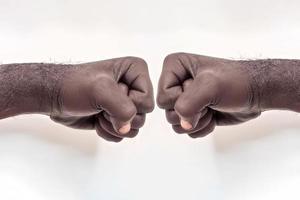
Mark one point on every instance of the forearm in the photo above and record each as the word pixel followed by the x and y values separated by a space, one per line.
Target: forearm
pixel 275 83
pixel 29 88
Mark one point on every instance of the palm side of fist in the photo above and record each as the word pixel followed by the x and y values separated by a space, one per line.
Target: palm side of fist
pixel 200 92
pixel 110 96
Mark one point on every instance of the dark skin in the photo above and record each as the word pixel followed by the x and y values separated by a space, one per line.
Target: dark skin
pixel 113 96
pixel 110 96
pixel 199 92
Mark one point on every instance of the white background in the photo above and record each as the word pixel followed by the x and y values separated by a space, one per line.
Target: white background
pixel 43 160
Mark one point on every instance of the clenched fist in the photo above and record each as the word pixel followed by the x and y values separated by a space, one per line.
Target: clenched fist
pixel 199 92
pixel 111 96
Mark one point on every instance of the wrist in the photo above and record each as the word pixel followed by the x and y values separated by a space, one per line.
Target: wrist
pixel 49 95
pixel 274 83
pixel 30 88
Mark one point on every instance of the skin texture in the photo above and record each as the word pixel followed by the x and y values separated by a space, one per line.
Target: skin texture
pixel 113 96
pixel 110 96
pixel 200 92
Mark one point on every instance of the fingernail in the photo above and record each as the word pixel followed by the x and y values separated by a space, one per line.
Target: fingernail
pixel 125 129
pixel 185 124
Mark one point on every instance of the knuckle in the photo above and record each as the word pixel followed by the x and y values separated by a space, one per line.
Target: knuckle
pixel 123 87
pixel 162 101
pixel 137 61
pixel 144 102
pixel 174 56
pixel 148 106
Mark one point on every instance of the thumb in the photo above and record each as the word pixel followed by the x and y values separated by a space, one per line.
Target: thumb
pixel 113 100
pixel 191 104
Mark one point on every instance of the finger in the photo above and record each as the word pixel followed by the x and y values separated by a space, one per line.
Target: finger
pixel 170 82
pixel 192 102
pixel 137 122
pixel 105 135
pixel 123 87
pixel 184 123
pixel 107 126
pixel 203 122
pixel 190 124
pixel 110 98
pixel 172 117
pixel 205 131
pixel 187 83
pixel 139 119
pixel 177 68
pixel 135 74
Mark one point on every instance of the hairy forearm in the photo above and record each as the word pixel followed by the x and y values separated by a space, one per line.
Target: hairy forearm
pixel 275 83
pixel 29 88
